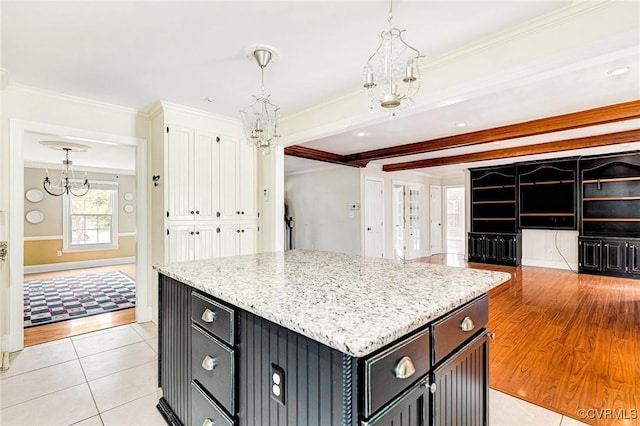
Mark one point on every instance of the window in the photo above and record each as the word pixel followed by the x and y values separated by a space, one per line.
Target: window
pixel 91 221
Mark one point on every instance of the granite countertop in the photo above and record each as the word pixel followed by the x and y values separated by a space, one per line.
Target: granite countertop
pixel 350 303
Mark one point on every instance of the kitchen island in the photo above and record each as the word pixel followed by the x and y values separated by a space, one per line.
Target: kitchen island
pixel 317 338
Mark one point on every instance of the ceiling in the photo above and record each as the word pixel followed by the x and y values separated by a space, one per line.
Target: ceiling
pixel 133 53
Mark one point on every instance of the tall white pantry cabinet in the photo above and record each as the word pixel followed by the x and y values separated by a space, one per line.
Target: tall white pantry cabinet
pixel 206 177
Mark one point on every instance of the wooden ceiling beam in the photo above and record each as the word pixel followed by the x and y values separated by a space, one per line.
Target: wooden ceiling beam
pixel 519 151
pixel 592 117
pixel 316 154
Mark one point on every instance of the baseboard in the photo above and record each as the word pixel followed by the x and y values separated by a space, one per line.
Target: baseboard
pixel 64 266
pixel 549 264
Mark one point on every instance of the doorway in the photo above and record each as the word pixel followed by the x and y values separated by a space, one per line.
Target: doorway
pixel 455 220
pixel 408 233
pixel 374 217
pixel 435 212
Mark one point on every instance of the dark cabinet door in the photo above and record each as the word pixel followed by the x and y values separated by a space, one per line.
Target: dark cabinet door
pixel 461 394
pixel 476 247
pixel 614 257
pixel 410 409
pixel 633 258
pixel 507 249
pixel 589 254
pixel 491 248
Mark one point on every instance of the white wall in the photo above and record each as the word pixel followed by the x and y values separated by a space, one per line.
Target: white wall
pixel 319 203
pixel 543 247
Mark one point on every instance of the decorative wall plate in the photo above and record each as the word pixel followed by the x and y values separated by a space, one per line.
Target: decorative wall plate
pixel 34 216
pixel 128 208
pixel 34 195
pixel 128 196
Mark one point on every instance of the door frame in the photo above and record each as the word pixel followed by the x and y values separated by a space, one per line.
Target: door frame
pixel 423 212
pixel 17 129
pixel 445 225
pixel 364 211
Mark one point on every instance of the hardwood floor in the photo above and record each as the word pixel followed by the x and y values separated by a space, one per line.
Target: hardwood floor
pixel 61 330
pixel 566 341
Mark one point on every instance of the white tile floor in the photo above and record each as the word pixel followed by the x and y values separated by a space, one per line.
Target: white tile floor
pixel 109 378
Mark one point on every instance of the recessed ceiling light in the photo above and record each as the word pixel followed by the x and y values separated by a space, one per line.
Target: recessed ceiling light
pixel 209 99
pixel 360 134
pixel 496 142
pixel 619 71
pixel 461 124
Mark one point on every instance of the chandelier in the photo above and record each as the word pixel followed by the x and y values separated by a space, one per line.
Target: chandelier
pixel 392 74
pixel 67 183
pixel 260 119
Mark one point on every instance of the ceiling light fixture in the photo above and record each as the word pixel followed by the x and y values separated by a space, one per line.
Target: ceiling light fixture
pixel 461 124
pixel 67 183
pixel 260 119
pixel 392 74
pixel 619 71
pixel 360 134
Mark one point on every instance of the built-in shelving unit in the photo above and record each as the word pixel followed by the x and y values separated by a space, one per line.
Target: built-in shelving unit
pixel 610 223
pixel 547 194
pixel 494 236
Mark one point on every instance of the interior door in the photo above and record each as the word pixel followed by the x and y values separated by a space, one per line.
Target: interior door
pixel 435 213
pixel 374 217
pixel 413 215
pixel 398 221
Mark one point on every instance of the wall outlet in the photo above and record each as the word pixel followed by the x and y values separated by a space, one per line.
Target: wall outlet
pixel 59 253
pixel 278 388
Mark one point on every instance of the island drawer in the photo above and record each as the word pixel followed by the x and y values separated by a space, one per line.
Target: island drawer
pixel 458 326
pixel 213 367
pixel 393 370
pixel 214 317
pixel 205 412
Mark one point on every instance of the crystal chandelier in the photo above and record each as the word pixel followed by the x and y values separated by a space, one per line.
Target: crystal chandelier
pixel 392 74
pixel 67 183
pixel 260 119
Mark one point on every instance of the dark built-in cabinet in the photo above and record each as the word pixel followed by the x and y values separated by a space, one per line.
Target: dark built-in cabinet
pixel 217 364
pixel 494 236
pixel 609 240
pixel 547 194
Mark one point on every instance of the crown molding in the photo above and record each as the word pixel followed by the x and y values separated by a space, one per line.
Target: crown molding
pixel 169 106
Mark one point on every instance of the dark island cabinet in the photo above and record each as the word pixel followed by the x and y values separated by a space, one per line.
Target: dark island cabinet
pixel 502 249
pixel 610 256
pixel 221 365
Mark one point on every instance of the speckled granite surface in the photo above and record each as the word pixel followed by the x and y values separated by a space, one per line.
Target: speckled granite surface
pixel 350 303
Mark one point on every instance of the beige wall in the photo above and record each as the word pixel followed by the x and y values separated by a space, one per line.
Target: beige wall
pixel 51 206
pixel 44 252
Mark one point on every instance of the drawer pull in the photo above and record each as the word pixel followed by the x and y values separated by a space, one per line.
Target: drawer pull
pixel 405 368
pixel 208 363
pixel 208 422
pixel 467 324
pixel 208 315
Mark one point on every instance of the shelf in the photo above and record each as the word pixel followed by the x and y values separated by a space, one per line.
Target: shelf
pixel 494 218
pixel 549 182
pixel 611 219
pixel 495 202
pixel 610 198
pixel 547 214
pixel 494 187
pixel 627 179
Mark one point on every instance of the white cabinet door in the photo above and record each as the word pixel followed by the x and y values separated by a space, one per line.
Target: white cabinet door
pixel 207 242
pixel 179 243
pixel 229 240
pixel 179 160
pixel 206 176
pixel 229 178
pixel 247 192
pixel 248 238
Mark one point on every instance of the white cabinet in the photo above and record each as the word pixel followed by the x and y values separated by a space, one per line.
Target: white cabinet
pixel 238 178
pixel 193 174
pixel 238 239
pixel 192 242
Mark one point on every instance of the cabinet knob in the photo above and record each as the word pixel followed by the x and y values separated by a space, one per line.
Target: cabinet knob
pixel 241 212
pixel 197 211
pixel 238 231
pixel 192 232
pixel 431 386
pixel 208 315
pixel 192 212
pixel 491 336
pixel 467 324
pixel 208 422
pixel 242 230
pixel 208 363
pixel 404 368
pixel 237 212
pixel 197 232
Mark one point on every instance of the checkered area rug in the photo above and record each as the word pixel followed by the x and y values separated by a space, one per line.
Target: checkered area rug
pixel 60 299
